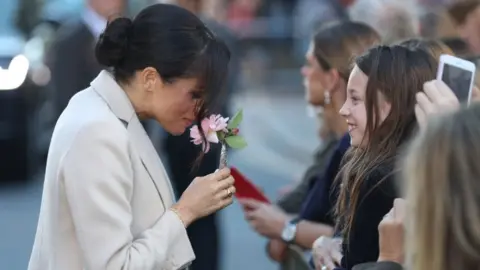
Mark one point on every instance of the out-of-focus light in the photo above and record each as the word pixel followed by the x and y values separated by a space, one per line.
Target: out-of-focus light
pixel 41 75
pixel 14 76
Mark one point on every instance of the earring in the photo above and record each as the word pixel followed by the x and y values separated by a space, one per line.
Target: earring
pixel 327 97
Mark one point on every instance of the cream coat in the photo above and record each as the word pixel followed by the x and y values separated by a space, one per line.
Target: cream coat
pixel 106 194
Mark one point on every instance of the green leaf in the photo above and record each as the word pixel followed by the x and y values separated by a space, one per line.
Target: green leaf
pixel 237 142
pixel 221 135
pixel 236 120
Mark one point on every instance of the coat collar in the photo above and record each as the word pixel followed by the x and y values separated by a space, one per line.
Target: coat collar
pixel 118 101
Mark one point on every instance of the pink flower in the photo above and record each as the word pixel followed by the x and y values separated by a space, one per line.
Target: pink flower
pixel 210 126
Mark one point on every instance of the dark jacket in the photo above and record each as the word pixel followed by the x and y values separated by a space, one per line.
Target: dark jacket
pixel 378 266
pixel 73 63
pixel 293 200
pixel 375 201
pixel 319 202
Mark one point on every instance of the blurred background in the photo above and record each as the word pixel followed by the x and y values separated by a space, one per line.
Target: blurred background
pixel 43 45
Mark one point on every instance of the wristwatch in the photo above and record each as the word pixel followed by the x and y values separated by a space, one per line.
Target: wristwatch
pixel 290 229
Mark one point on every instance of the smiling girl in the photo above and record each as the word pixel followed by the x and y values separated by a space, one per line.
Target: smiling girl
pixel 379 111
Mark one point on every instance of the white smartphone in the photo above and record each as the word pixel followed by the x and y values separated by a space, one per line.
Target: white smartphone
pixel 458 74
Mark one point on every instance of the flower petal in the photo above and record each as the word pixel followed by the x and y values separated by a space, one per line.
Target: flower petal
pixel 205 124
pixel 221 124
pixel 194 132
pixel 212 137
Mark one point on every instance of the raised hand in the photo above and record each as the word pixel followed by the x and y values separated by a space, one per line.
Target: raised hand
pixel 391 230
pixel 436 98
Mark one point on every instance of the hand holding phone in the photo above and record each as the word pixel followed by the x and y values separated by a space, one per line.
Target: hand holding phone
pixel 435 98
pixel 458 75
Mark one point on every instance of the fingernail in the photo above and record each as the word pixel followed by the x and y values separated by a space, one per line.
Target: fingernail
pixel 216 170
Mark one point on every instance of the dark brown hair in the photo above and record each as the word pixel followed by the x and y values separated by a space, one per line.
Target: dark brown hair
pixel 172 40
pixel 397 73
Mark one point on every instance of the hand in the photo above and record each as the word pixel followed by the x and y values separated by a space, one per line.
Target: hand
pixel 206 195
pixel 276 250
pixel 391 230
pixel 475 94
pixel 436 98
pixel 285 190
pixel 266 219
pixel 326 253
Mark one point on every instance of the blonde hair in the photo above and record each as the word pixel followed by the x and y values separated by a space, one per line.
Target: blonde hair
pixel 433 47
pixel 442 173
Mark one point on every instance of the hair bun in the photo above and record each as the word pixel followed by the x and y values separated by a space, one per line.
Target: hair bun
pixel 112 46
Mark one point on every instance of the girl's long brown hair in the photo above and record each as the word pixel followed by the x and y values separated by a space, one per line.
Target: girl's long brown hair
pixel 398 74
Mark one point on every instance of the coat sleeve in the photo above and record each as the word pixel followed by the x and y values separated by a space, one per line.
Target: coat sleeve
pixel 98 179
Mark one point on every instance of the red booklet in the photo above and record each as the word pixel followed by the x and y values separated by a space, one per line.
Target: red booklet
pixel 245 188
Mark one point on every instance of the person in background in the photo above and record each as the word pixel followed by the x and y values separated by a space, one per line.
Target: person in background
pixel 73 63
pixel 329 52
pixel 435 22
pixel 393 19
pixel 28 15
pixel 325 77
pixel 181 154
pixel 466 16
pixel 309 15
pixel 431 46
pixel 458 45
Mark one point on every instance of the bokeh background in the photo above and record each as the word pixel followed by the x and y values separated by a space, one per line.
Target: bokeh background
pixel 270 37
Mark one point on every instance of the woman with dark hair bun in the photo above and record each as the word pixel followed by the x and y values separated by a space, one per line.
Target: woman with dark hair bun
pixel 107 200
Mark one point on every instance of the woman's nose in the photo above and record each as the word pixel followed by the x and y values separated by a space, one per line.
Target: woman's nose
pixel 304 71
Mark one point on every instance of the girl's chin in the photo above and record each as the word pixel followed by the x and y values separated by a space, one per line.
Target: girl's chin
pixel 355 141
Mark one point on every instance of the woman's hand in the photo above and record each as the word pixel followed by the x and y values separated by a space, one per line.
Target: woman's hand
pixel 326 253
pixel 436 98
pixel 266 219
pixel 285 190
pixel 276 250
pixel 391 230
pixel 206 195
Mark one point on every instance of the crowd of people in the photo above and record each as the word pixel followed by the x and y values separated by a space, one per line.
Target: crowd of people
pixel 392 185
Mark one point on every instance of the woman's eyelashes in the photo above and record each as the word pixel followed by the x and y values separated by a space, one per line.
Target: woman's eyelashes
pixel 196 95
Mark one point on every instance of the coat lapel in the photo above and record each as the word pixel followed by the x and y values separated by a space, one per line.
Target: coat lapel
pixel 151 161
pixel 121 106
